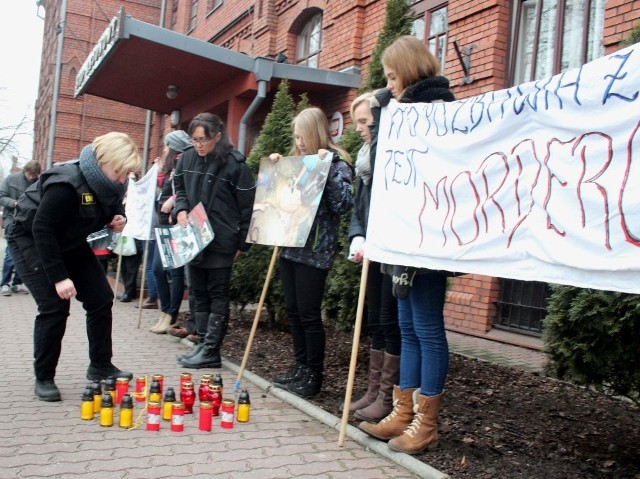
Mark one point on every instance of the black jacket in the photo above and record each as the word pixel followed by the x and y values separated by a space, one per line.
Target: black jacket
pixel 226 188
pixel 64 190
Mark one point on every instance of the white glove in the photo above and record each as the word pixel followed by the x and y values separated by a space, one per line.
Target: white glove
pixel 357 244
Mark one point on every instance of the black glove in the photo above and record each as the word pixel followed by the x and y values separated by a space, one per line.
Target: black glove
pixel 402 279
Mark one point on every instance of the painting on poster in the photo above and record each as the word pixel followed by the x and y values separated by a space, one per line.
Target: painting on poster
pixel 288 193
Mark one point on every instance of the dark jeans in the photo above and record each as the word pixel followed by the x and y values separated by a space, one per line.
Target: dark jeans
pixel 152 287
pixel 93 291
pixel 382 312
pixel 169 284
pixel 424 361
pixel 210 286
pixel 8 270
pixel 303 289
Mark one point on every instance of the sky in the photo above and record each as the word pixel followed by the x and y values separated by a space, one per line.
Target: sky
pixel 20 50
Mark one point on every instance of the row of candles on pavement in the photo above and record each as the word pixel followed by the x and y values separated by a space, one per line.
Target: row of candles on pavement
pixel 100 401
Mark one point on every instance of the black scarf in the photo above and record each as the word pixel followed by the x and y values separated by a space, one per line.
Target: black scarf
pixel 427 90
pixel 109 192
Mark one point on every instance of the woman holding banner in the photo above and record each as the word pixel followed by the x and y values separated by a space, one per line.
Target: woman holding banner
pixel 382 307
pixel 303 271
pixel 216 175
pixel 412 73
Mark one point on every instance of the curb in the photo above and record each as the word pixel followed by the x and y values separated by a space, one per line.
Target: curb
pixel 406 461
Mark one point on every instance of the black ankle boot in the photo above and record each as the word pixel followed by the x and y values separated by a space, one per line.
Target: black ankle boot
pixel 191 353
pixel 294 373
pixel 46 390
pixel 100 371
pixel 207 357
pixel 309 384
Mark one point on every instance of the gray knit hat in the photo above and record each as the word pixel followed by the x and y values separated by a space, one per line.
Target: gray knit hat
pixel 177 140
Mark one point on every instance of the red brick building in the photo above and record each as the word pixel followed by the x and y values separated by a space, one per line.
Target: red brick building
pixel 145 66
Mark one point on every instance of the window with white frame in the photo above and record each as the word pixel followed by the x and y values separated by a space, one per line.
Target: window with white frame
pixel 174 15
pixel 552 36
pixel 431 26
pixel 193 15
pixel 309 42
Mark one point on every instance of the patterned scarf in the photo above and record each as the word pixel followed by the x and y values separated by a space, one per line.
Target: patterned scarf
pixel 109 192
pixel 363 165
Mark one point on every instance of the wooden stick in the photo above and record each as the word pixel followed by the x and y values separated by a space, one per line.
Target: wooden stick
pixel 354 351
pixel 142 280
pixel 256 319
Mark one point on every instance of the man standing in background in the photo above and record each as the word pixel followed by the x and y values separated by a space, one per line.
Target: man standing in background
pixel 12 187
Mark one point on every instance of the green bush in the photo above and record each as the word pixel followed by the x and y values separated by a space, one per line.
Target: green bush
pixel 592 338
pixel 398 21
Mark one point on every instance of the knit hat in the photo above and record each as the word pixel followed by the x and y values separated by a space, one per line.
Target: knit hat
pixel 177 140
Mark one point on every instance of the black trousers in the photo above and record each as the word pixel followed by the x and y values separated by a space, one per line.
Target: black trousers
pixel 93 291
pixel 210 286
pixel 382 312
pixel 303 290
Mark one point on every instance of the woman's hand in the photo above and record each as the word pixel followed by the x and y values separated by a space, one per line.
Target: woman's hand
pixel 183 219
pixel 275 157
pixel 118 223
pixel 65 289
pixel 167 206
pixel 322 153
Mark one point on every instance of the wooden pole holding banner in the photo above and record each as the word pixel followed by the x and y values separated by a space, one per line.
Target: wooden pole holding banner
pixel 256 319
pixel 142 280
pixel 354 351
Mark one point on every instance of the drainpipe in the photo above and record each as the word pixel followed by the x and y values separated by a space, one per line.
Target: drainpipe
pixel 242 133
pixel 147 125
pixel 56 84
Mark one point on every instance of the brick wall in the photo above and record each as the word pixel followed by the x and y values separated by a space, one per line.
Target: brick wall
pixel 266 28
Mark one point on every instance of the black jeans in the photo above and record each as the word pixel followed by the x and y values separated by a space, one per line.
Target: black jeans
pixel 210 286
pixel 303 289
pixel 93 291
pixel 382 312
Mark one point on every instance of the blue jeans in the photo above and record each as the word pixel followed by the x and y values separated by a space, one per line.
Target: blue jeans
pixel 8 269
pixel 424 360
pixel 152 289
pixel 170 293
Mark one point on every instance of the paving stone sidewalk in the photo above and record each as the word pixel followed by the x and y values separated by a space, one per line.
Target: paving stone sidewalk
pixel 286 437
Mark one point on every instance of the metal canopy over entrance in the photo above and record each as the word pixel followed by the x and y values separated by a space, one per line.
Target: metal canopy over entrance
pixel 135 62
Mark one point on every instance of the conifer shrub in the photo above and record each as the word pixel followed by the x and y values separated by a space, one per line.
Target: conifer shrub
pixel 592 338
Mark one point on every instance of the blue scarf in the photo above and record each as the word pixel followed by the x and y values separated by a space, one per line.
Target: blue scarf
pixel 108 191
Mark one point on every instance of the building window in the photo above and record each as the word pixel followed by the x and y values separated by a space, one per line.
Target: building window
pixel 431 26
pixel 193 16
pixel 310 42
pixel 552 36
pixel 174 15
pixel 213 4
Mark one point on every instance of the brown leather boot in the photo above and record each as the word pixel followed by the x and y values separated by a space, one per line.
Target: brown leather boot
pixel 384 401
pixel 423 432
pixel 376 359
pixel 398 419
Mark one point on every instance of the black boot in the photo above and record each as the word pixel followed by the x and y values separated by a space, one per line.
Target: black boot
pixel 294 373
pixel 191 353
pixel 309 384
pixel 202 321
pixel 46 390
pixel 209 354
pixel 100 371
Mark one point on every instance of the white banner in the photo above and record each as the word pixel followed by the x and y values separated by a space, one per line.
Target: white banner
pixel 537 182
pixel 140 205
